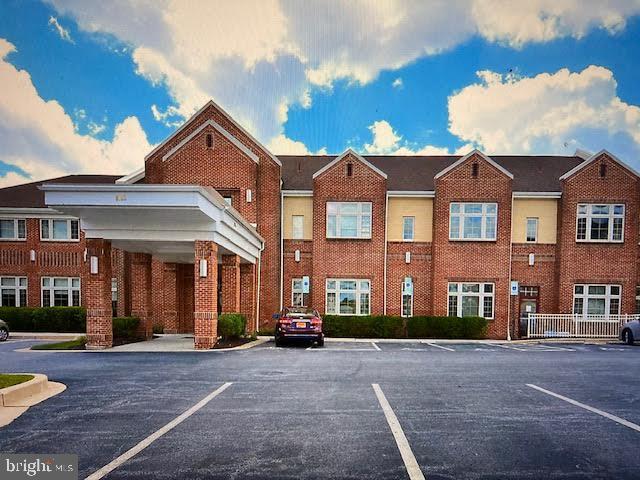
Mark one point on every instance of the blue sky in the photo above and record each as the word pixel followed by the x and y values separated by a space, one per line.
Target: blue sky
pixel 89 88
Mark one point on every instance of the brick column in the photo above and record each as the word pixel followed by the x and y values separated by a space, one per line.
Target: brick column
pixel 248 294
pixel 230 283
pixel 205 295
pixel 141 287
pixel 170 314
pixel 98 295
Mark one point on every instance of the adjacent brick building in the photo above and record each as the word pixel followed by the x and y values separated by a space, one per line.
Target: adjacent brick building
pixel 347 234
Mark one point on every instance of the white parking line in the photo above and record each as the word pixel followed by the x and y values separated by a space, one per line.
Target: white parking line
pixel 440 346
pixel 508 347
pixel 111 466
pixel 375 345
pixel 410 462
pixel 602 413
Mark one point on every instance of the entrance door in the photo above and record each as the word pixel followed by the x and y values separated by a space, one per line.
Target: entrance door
pixel 528 304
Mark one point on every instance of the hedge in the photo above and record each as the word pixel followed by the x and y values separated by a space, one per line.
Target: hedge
pixel 387 326
pixel 231 325
pixel 45 319
pixel 125 328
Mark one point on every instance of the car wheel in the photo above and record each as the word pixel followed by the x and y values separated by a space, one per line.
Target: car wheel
pixel 321 341
pixel 627 337
pixel 279 342
pixel 4 334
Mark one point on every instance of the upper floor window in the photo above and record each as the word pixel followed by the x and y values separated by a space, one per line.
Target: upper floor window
pixel 297 227
pixel 473 221
pixel 596 299
pixel 600 223
pixel 13 229
pixel 408 224
pixel 14 291
pixel 54 229
pixel 60 292
pixel 348 219
pixel 532 229
pixel 471 300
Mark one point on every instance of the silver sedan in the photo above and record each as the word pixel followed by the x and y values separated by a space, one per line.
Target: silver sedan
pixel 630 331
pixel 4 331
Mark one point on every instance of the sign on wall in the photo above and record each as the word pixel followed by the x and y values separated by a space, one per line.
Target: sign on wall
pixel 408 286
pixel 514 287
pixel 305 284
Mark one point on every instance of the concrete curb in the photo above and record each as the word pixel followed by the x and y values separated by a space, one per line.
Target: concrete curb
pixel 45 336
pixel 17 399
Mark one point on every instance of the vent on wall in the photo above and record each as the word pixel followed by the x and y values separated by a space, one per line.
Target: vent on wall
pixel 349 169
pixel 603 170
pixel 474 170
pixel 209 140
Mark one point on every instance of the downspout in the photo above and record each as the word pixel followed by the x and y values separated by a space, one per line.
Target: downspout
pixel 281 249
pixel 258 288
pixel 510 263
pixel 386 228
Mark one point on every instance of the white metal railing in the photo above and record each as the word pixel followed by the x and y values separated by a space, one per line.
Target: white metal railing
pixel 543 325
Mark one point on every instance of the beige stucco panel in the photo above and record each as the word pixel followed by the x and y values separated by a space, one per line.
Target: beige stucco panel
pixel 545 210
pixel 420 208
pixel 298 206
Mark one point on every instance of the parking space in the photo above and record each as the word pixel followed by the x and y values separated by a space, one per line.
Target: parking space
pixel 464 412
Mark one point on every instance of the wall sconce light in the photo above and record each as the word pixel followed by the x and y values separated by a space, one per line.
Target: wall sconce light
pixel 249 196
pixel 32 255
pixel 84 255
pixel 532 259
pixel 94 265
pixel 407 257
pixel 297 255
pixel 203 268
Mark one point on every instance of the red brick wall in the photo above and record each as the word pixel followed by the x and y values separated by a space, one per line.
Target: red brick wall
pixel 170 299
pixel 185 297
pixel 98 296
pixel 461 261
pixel 229 170
pixel 206 303
pixel 341 258
pixel 419 269
pixel 293 269
pixel 248 285
pixel 609 263
pixel 230 280
pixel 141 292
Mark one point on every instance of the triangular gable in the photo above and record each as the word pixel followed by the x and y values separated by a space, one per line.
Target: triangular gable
pixel 357 156
pixel 466 157
pixel 218 128
pixel 228 117
pixel 592 159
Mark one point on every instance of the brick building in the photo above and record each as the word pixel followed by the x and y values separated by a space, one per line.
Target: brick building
pixel 215 222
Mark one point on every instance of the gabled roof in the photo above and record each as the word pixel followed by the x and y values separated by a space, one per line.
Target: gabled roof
pixel 591 159
pixel 227 116
pixel 467 156
pixel 356 155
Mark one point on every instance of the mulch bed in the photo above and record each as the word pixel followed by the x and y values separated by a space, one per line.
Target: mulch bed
pixel 230 343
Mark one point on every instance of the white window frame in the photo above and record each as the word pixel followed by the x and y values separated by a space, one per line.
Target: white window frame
pixel 228 199
pixel 20 284
pixel 481 293
pixel 304 296
pixel 402 295
pixel 359 214
pixel 16 230
pixel 461 215
pixel 536 222
pixel 607 297
pixel 51 289
pixel 637 299
pixel 589 216
pixel 359 291
pixel 411 237
pixel 49 222
pixel 297 227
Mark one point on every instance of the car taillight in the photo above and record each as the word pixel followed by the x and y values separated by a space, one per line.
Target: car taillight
pixel 285 320
pixel 316 321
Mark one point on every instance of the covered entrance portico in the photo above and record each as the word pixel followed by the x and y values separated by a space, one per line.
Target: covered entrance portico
pixel 188 226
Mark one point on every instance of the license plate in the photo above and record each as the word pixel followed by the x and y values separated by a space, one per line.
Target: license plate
pixel 301 325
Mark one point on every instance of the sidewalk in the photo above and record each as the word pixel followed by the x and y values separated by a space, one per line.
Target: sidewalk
pixel 44 336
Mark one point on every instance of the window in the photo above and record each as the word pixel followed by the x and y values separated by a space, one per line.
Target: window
pixel 407 299
pixel 60 292
pixel 13 229
pixel 114 297
pixel 473 221
pixel 600 223
pixel 532 229
pixel 228 200
pixel 53 229
pixel 408 228
pixel 298 297
pixel 348 297
pixel 348 219
pixel 297 226
pixel 13 291
pixel 596 299
pixel 471 300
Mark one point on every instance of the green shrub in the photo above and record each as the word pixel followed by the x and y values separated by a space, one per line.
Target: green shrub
pixel 158 328
pixel 231 325
pixel 370 326
pixel 45 319
pixel 447 327
pixel 125 328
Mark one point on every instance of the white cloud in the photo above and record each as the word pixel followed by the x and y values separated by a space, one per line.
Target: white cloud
pixel 40 138
pixel 283 145
pixel 398 83
pixel 62 32
pixel 547 113
pixel 281 50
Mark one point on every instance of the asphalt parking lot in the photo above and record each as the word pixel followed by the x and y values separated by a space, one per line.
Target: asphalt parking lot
pixel 349 410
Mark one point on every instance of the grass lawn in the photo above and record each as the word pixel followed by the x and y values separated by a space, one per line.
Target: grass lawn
pixel 77 344
pixel 9 380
